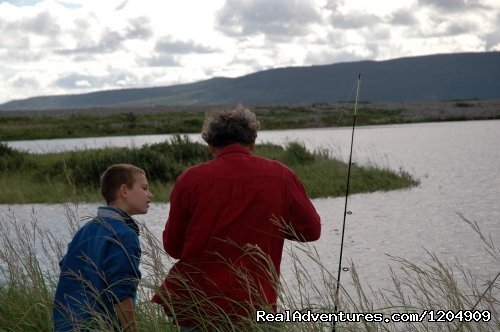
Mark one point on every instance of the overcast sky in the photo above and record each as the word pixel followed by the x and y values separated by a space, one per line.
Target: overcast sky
pixel 74 46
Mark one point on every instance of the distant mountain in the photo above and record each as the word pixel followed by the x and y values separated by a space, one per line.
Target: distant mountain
pixel 423 78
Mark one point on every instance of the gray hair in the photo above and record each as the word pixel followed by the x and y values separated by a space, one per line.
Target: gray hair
pixel 239 125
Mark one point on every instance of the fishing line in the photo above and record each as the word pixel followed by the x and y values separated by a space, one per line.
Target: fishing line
pixel 346 197
pixel 459 328
pixel 346 102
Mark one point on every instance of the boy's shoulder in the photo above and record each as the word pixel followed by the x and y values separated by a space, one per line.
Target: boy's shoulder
pixel 115 215
pixel 119 227
pixel 111 223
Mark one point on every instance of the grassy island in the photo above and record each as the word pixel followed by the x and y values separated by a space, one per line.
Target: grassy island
pixel 73 176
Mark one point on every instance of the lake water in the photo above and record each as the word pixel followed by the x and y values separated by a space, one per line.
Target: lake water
pixel 458 164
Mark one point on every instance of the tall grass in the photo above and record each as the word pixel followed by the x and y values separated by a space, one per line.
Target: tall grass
pixel 29 269
pixel 26 285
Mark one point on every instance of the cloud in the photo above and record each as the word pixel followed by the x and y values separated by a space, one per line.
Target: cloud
pixel 332 56
pixel 109 40
pixel 23 81
pixel 122 5
pixel 449 25
pixel 69 45
pixel 19 55
pixel 160 60
pixel 41 24
pixel 403 17
pixel 21 3
pixel 77 81
pixel 272 18
pixel 461 27
pixel 168 46
pixel 453 5
pixel 354 20
pixel 138 28
pixel 74 81
pixel 168 52
pixel 69 5
pixel 10 42
pixel 493 38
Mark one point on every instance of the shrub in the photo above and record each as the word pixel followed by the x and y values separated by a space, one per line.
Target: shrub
pixel 10 159
pixel 296 154
pixel 181 149
pixel 162 162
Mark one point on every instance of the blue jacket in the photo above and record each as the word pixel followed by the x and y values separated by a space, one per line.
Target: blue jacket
pixel 100 268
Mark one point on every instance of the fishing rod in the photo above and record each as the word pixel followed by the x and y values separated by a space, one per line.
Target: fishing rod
pixel 346 197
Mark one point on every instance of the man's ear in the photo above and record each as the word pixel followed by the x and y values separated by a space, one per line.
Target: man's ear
pixel 212 149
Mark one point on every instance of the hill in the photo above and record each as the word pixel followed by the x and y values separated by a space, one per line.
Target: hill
pixel 423 78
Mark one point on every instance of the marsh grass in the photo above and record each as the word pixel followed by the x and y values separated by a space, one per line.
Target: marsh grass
pixel 95 122
pixel 29 258
pixel 26 288
pixel 74 176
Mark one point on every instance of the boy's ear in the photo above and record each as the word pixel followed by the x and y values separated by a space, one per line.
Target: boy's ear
pixel 123 191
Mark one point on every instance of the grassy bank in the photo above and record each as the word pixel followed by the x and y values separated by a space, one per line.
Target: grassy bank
pixel 29 270
pixel 165 120
pixel 74 176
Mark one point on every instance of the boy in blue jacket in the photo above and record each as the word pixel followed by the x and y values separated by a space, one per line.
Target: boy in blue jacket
pixel 100 272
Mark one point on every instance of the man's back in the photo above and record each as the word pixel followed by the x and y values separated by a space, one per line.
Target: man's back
pixel 227 226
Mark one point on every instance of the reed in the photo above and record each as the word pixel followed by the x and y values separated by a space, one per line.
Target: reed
pixel 29 258
pixel 26 286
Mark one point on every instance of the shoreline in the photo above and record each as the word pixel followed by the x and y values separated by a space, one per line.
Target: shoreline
pixel 103 122
pixel 490 106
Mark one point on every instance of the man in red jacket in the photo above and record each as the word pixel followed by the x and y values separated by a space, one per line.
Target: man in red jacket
pixel 227 224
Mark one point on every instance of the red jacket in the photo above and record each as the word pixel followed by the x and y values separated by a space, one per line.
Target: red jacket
pixel 226 226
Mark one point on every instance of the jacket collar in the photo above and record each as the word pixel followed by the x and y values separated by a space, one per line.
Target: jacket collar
pixel 119 214
pixel 232 148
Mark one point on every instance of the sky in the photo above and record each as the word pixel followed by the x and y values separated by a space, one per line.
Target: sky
pixel 54 47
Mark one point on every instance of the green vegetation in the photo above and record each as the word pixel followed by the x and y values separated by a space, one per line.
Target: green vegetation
pixel 83 125
pixel 74 176
pixel 29 272
pixel 317 116
pixel 145 121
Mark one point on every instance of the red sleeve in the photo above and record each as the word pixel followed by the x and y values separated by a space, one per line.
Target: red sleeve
pixel 177 223
pixel 303 219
